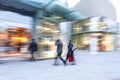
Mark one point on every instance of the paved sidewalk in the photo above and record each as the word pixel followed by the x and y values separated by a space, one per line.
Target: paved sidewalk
pixel 102 66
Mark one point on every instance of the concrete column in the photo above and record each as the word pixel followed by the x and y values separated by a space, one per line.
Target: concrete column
pixel 36 25
pixel 66 31
pixel 36 31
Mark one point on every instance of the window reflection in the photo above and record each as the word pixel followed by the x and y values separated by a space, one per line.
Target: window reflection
pixel 94 24
pixel 48 34
pixel 102 28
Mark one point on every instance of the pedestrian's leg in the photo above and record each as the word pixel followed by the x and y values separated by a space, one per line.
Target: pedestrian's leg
pixel 66 58
pixel 56 58
pixel 62 60
pixel 32 56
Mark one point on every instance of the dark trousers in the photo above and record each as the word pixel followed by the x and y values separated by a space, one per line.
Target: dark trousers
pixel 67 57
pixel 32 55
pixel 59 56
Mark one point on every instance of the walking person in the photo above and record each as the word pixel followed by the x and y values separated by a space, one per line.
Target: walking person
pixel 59 45
pixel 70 53
pixel 33 47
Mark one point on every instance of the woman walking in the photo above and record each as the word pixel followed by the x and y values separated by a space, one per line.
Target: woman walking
pixel 70 53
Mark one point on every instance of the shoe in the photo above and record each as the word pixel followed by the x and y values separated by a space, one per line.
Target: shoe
pixel 65 63
pixel 73 64
pixel 32 59
pixel 55 64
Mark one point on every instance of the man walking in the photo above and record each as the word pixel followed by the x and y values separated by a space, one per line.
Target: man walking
pixel 59 45
pixel 33 48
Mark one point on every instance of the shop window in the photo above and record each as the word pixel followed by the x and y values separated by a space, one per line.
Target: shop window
pixel 94 24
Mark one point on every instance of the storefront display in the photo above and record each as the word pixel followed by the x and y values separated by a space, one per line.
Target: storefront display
pixel 13 39
pixel 104 33
pixel 48 33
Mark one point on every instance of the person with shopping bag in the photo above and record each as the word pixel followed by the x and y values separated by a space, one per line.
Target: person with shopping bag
pixel 70 54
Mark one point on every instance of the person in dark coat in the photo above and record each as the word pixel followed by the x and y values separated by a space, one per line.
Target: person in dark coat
pixel 70 50
pixel 59 45
pixel 33 47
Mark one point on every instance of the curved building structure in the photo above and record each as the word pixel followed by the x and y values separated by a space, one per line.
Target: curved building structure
pixel 96 8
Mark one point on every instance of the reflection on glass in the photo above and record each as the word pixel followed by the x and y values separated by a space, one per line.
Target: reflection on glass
pixel 14 40
pixel 101 27
pixel 81 41
pixel 77 28
pixel 94 24
pixel 48 34
pixel 105 41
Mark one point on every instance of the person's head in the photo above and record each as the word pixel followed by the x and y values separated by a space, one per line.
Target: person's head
pixel 58 40
pixel 70 40
pixel 33 40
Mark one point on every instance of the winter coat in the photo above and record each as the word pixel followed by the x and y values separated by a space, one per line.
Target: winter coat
pixel 33 46
pixel 59 45
pixel 70 47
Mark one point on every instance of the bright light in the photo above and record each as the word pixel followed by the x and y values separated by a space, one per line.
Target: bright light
pixel 63 0
pixel 72 3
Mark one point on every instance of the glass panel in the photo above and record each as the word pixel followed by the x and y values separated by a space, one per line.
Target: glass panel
pixel 102 26
pixel 48 32
pixel 81 41
pixel 105 41
pixel 94 24
pixel 85 27
pixel 77 28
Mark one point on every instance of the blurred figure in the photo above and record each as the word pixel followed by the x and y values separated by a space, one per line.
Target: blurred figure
pixel 18 46
pixel 59 45
pixel 33 47
pixel 70 53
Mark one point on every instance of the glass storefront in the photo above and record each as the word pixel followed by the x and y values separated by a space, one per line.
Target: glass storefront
pixel 94 24
pixel 12 40
pixel 101 27
pixel 15 32
pixel 48 33
pixel 105 41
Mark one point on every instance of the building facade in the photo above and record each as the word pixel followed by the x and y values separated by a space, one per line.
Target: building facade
pixel 103 29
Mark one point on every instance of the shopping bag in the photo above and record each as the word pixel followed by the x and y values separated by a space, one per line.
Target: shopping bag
pixel 74 48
